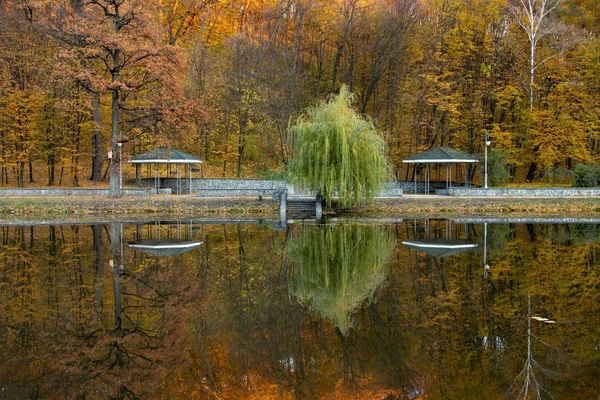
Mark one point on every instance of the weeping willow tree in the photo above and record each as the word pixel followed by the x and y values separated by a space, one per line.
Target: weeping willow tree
pixel 335 269
pixel 338 152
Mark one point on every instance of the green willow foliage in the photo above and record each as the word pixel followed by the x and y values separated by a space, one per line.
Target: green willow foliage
pixel 338 153
pixel 338 268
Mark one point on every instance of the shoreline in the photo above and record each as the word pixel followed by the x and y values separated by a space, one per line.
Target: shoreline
pixel 189 207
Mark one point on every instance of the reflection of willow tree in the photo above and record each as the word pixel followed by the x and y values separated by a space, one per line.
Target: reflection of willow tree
pixel 338 268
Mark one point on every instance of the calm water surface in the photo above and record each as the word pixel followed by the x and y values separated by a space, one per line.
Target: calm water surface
pixel 413 309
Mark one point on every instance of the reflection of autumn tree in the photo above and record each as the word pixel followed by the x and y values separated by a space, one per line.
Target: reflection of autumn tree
pixel 337 268
pixel 68 330
pixel 217 322
pixel 547 268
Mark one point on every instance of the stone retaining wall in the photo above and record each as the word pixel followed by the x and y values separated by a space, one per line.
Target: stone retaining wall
pixel 212 187
pixel 66 192
pixel 519 192
pixel 216 187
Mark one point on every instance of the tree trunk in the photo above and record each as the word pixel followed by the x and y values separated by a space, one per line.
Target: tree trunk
pixel 21 174
pixel 531 172
pixel 50 171
pixel 31 173
pixel 114 190
pixel 240 153
pixel 115 163
pixel 62 169
pixel 226 148
pixel 97 148
pixel 336 63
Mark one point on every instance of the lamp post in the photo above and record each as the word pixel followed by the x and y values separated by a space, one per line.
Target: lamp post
pixel 120 144
pixel 487 144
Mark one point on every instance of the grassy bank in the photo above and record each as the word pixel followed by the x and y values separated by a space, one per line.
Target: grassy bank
pixel 507 207
pixel 191 206
pixel 131 206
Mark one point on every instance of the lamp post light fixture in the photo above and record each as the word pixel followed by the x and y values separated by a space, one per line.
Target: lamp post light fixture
pixel 487 144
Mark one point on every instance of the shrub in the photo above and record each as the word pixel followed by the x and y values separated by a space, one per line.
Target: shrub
pixel 586 175
pixel 279 174
pixel 498 173
pixel 559 175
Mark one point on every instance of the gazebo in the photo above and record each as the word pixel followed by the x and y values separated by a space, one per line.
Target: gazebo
pixel 440 156
pixel 167 156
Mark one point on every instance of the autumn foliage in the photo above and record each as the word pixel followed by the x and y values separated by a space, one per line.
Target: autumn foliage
pixel 222 79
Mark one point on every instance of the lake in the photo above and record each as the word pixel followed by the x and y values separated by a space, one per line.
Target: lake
pixel 373 309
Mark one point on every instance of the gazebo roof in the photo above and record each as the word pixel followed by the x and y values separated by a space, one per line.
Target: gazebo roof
pixel 441 248
pixel 165 155
pixel 164 247
pixel 441 155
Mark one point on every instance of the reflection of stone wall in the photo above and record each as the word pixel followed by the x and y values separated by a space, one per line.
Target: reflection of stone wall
pixel 67 192
pixel 519 192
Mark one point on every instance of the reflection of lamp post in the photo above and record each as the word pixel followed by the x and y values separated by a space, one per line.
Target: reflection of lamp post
pixel 486 267
pixel 487 143
pixel 120 144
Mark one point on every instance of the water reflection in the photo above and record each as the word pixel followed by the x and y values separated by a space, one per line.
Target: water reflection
pixel 337 268
pixel 83 315
pixel 440 243
pixel 150 239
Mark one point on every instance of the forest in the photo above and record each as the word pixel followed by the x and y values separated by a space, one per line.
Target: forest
pixel 225 79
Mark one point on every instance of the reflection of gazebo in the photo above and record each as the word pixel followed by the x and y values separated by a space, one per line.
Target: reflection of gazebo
pixel 439 156
pixel 179 239
pixel 442 240
pixel 164 247
pixel 167 156
pixel 440 248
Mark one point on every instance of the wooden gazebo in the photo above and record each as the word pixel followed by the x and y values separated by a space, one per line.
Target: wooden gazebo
pixel 167 156
pixel 443 155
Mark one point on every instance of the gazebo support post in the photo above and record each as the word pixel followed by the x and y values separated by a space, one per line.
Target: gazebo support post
pixel 427 175
pixel 415 174
pixel 178 183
